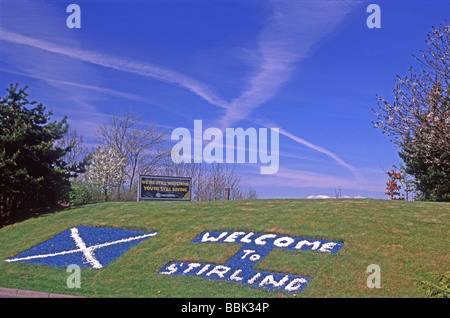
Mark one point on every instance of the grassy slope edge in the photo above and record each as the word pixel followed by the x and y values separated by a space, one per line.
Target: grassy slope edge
pixel 406 239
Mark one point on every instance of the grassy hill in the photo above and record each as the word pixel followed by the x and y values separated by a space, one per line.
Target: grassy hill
pixel 406 239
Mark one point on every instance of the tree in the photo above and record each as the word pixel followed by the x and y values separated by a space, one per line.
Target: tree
pixel 431 181
pixel 140 144
pixel 407 182
pixel 392 187
pixel 338 192
pixel 438 288
pixel 32 171
pixel 418 120
pixel 106 169
pixel 78 151
pixel 251 194
pixel 209 180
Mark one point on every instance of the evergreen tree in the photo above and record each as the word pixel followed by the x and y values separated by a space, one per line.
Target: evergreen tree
pixel 432 181
pixel 32 173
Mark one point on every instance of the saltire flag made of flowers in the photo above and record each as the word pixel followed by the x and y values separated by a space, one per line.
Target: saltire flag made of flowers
pixel 83 246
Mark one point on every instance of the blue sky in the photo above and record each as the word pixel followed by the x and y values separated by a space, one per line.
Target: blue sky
pixel 310 68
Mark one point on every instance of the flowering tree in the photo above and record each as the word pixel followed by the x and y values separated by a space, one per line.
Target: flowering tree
pixel 421 109
pixel 418 120
pixel 141 144
pixel 106 169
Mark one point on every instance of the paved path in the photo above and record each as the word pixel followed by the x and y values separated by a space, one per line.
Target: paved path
pixel 20 293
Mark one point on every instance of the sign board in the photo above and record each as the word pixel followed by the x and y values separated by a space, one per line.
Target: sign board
pixel 164 188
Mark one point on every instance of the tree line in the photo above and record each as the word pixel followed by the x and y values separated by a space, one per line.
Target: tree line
pixel 44 162
pixel 130 148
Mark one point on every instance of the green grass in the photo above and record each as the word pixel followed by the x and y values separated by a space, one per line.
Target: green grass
pixel 406 239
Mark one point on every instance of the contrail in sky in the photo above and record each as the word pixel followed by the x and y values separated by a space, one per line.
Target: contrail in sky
pixel 292 32
pixel 130 66
pixel 290 35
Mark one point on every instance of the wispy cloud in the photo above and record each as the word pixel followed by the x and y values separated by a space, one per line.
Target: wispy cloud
pixel 93 88
pixel 291 33
pixel 330 154
pixel 318 196
pixel 102 90
pixel 310 145
pixel 298 178
pixel 324 196
pixel 119 64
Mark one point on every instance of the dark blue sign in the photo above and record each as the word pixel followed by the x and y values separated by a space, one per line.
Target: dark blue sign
pixel 239 268
pixel 84 246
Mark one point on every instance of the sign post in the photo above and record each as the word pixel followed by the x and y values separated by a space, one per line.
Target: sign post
pixel 162 188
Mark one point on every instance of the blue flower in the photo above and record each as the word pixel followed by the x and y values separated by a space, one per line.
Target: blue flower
pixel 84 246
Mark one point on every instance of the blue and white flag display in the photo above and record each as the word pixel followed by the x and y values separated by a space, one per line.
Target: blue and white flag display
pixel 239 268
pixel 84 246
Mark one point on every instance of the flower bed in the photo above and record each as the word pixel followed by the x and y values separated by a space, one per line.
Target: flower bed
pixel 240 267
pixel 84 246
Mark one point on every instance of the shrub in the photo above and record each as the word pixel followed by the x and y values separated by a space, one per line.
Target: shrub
pixel 82 193
pixel 438 289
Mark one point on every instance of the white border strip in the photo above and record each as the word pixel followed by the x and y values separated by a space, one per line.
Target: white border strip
pixel 87 252
pixel 41 256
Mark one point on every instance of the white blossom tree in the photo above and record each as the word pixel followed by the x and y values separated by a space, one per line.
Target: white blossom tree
pixel 106 169
pixel 418 119
pixel 420 112
pixel 141 144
